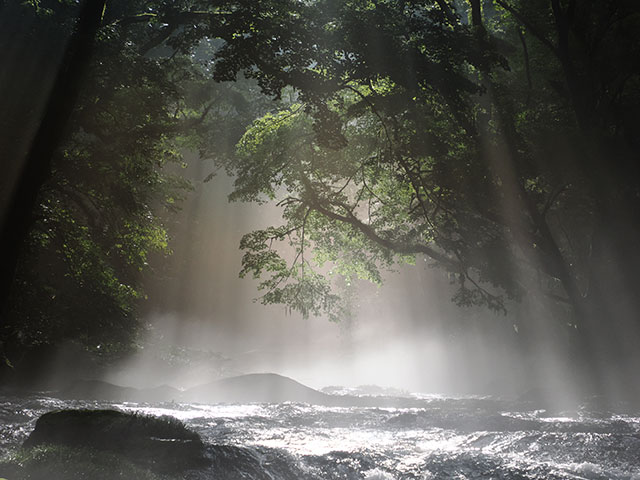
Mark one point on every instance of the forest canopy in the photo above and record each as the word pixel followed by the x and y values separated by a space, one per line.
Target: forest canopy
pixel 499 141
pixel 496 140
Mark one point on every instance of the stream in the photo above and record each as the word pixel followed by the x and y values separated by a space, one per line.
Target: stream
pixel 442 438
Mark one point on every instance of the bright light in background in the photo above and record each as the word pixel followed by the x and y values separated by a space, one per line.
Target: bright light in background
pixel 406 334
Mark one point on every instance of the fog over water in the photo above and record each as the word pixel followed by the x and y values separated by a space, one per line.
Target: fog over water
pixel 406 334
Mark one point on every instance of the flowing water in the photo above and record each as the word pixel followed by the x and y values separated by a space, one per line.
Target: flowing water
pixel 441 438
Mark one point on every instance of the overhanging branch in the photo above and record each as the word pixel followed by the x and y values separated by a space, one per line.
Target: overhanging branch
pixel 529 26
pixel 314 202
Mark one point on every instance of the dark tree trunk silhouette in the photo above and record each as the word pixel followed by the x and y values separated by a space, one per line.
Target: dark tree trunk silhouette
pixel 36 169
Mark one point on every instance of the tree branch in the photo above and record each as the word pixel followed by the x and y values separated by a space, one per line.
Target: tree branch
pixel 552 198
pixel 532 28
pixel 348 217
pixel 527 66
pixel 448 12
pixel 476 13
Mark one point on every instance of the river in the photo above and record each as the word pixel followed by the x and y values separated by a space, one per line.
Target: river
pixel 442 438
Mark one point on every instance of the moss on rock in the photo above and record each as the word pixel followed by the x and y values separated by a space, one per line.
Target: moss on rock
pixel 55 462
pixel 162 444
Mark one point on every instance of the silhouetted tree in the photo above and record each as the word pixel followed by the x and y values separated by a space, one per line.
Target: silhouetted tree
pixel 504 148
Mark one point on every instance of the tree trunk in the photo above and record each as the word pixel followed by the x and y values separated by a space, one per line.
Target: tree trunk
pixel 476 13
pixel 36 170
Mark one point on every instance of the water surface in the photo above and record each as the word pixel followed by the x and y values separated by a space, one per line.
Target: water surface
pixel 443 438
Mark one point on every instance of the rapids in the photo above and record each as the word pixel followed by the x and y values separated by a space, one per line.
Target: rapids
pixel 445 438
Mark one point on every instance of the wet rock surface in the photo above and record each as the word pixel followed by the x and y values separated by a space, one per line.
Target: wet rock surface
pixel 162 444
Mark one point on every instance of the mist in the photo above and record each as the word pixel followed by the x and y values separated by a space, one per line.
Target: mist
pixel 407 334
pixel 310 240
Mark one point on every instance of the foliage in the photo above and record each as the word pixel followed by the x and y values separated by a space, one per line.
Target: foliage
pixel 498 139
pixel 501 148
pixel 101 212
pixel 46 462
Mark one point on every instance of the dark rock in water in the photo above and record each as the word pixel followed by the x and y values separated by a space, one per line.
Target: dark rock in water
pixel 99 390
pixel 258 387
pixel 252 388
pixel 274 388
pixel 162 444
pixel 405 419
pixel 162 393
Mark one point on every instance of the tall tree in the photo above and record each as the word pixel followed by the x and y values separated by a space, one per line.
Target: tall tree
pixel 86 212
pixel 497 139
pixel 16 220
pixel 502 148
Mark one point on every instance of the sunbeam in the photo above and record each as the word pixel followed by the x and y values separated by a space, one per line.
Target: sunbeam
pixel 313 240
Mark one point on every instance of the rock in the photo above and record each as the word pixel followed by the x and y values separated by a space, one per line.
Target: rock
pixel 161 444
pixel 274 388
pixel 251 388
pixel 258 388
pixel 405 419
pixel 97 390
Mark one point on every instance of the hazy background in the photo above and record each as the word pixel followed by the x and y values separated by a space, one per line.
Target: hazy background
pixel 203 323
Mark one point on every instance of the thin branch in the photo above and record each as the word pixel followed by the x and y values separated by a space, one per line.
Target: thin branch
pixel 140 18
pixel 346 183
pixel 553 197
pixel 364 182
pixel 527 65
pixel 489 297
pixel 375 111
pixel 163 34
pixel 349 218
pixel 532 28
pixel 558 298
pixel 416 188
pixel 448 12
pixel 288 201
pixel 304 224
pixel 476 13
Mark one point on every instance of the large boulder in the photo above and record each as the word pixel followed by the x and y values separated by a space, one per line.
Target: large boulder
pixel 251 388
pixel 274 388
pixel 159 443
pixel 255 388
